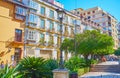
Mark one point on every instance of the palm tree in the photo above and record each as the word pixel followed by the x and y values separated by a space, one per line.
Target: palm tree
pixel 66 46
pixel 32 67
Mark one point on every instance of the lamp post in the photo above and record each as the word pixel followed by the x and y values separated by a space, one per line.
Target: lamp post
pixel 61 14
pixel 61 72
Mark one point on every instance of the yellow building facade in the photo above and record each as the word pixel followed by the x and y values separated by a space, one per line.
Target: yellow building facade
pixel 11 35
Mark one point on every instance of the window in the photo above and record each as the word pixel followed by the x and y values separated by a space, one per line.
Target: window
pixel 18 0
pixel 31 35
pixel 58 40
pixel 66 18
pixel 17 54
pixel 103 24
pixel 33 4
pixel 20 10
pixel 33 18
pixel 93 11
pixel 51 25
pixel 51 14
pixel 78 12
pixel 22 1
pixel 50 42
pixel 42 11
pixel 20 13
pixel 41 36
pixel 104 28
pixel 66 29
pixel 84 14
pixel 58 27
pixel 33 11
pixel 88 12
pixel 42 23
pixel 103 14
pixel 93 16
pixel 72 21
pixel 18 35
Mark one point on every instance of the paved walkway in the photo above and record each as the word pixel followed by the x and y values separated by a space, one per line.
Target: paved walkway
pixel 102 74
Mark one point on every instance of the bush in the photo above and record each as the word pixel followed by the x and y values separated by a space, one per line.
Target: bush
pixel 81 71
pixel 51 64
pixel 93 61
pixel 75 63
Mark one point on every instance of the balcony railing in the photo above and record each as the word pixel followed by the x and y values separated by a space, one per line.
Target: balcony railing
pixel 14 41
pixel 51 43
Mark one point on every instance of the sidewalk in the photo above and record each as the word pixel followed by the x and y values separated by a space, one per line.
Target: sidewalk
pixel 102 74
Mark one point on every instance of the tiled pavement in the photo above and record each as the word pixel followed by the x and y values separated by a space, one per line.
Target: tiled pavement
pixel 102 74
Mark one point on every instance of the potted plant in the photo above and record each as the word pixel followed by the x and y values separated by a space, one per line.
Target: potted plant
pixel 41 41
pixel 50 42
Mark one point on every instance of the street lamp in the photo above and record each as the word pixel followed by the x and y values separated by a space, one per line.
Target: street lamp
pixel 61 14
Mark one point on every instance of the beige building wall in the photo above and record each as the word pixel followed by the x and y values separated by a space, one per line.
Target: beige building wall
pixel 7 32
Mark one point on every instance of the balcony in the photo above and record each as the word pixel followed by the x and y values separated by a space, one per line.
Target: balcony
pixel 42 43
pixel 51 30
pixel 42 29
pixel 14 42
pixel 32 25
pixel 58 32
pixel 51 43
pixel 52 18
pixel 41 15
pixel 20 3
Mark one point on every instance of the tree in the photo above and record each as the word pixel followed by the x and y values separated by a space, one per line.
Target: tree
pixel 92 42
pixel 117 52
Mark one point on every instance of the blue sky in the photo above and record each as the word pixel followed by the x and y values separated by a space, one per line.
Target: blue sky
pixel 110 6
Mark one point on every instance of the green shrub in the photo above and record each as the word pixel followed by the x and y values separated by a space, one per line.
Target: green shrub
pixel 86 69
pixel 93 61
pixel 81 71
pixel 75 63
pixel 51 64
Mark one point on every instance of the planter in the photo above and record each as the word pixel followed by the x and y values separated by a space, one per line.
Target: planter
pixel 73 75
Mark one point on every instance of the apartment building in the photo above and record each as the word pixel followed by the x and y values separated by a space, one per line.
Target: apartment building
pixel 43 29
pixel 12 15
pixel 104 19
